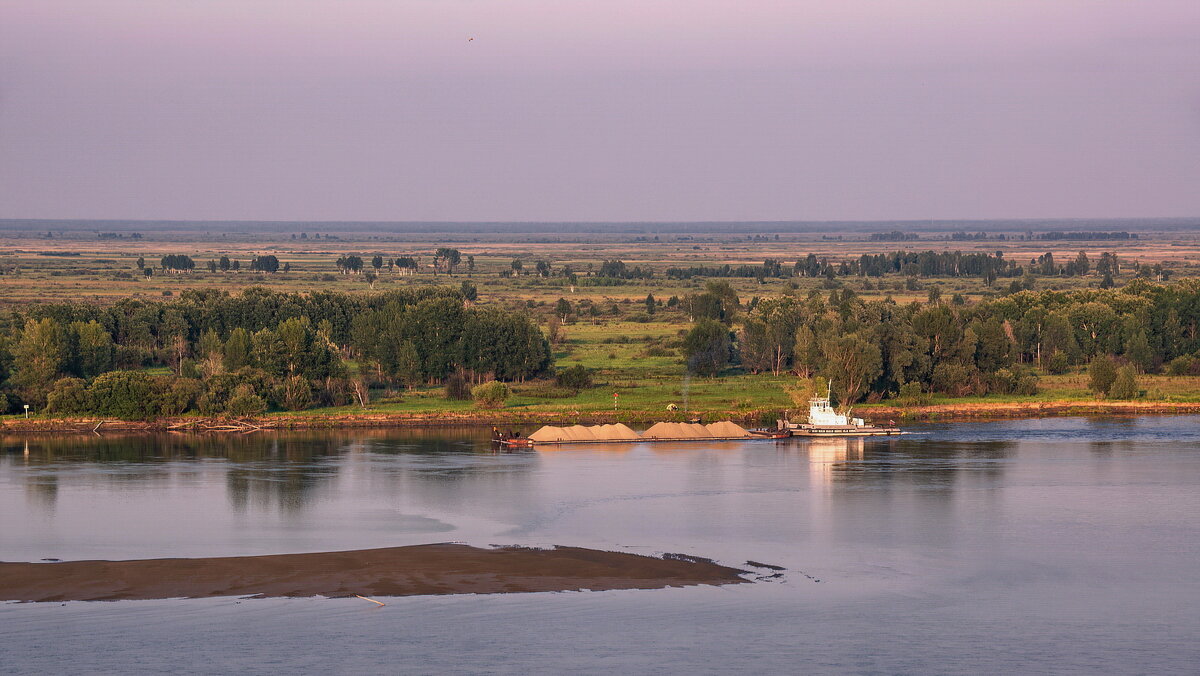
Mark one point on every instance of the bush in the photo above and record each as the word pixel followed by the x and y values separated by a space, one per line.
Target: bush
pixel 1027 385
pixel 1058 362
pixel 180 394
pixel 1182 366
pixel 125 394
pixel 295 394
pixel 1124 385
pixel 69 397
pixel 245 402
pixel 950 378
pixel 490 394
pixel 457 387
pixel 1101 374
pixel 911 395
pixel 578 377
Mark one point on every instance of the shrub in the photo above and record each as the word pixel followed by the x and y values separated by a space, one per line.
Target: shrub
pixel 245 402
pixel 1101 374
pixel 1058 362
pixel 911 395
pixel 295 394
pixel 950 378
pixel 1182 366
pixel 1027 384
pixel 457 387
pixel 125 394
pixel 180 394
pixel 1124 385
pixel 578 377
pixel 69 397
pixel 490 394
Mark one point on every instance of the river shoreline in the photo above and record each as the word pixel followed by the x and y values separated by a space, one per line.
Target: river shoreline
pixel 444 568
pixel 526 419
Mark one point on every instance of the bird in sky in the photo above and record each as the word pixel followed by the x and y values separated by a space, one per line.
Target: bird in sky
pixel 470 39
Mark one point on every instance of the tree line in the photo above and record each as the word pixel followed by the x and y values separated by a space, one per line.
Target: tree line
pixel 883 349
pixel 256 350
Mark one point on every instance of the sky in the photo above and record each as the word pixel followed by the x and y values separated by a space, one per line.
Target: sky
pixel 599 110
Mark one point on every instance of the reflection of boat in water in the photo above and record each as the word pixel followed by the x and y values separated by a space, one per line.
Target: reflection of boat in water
pixel 825 455
pixel 823 421
pixel 828 451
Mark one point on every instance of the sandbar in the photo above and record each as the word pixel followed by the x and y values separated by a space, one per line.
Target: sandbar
pixel 445 568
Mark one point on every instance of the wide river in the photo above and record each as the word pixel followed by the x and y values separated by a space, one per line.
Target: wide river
pixel 1067 545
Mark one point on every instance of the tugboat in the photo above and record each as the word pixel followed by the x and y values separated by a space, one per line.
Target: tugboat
pixel 823 421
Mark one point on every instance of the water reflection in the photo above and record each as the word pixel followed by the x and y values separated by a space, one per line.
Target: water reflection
pixel 286 471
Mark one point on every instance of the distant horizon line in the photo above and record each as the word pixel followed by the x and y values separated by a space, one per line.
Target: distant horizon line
pixel 451 222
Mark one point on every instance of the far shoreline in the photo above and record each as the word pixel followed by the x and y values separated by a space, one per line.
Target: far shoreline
pixel 529 420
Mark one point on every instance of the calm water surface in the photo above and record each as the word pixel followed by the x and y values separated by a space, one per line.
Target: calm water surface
pixel 1057 546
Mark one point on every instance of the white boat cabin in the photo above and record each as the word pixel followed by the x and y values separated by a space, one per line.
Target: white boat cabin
pixel 820 412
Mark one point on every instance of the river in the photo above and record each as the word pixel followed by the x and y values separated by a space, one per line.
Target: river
pixel 1067 545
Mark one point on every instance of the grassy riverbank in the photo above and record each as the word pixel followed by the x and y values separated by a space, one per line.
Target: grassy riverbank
pixel 528 418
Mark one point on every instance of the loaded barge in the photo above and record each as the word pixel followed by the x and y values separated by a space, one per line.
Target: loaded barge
pixel 823 421
pixel 619 433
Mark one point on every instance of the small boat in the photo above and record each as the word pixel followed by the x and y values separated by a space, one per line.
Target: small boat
pixel 823 421
pixel 510 440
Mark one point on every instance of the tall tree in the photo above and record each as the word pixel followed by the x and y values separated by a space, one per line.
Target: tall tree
pixel 851 363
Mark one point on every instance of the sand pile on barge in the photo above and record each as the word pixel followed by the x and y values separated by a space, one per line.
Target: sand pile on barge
pixel 550 433
pixel 720 430
pixel 619 432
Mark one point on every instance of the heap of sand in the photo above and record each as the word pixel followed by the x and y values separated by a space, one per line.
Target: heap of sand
pixel 550 433
pixel 720 430
pixel 662 430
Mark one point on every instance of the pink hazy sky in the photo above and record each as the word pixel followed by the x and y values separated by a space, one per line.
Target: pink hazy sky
pixel 599 110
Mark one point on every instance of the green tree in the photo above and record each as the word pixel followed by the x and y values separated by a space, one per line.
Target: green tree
pixel 407 367
pixel 851 363
pixel 563 309
pixel 94 350
pixel 1138 351
pixel 1125 385
pixel 1101 374
pixel 130 395
pixel 245 402
pixel 237 349
pixel 40 357
pixel 806 351
pixel 69 396
pixel 296 393
pixel 707 347
pixel 651 304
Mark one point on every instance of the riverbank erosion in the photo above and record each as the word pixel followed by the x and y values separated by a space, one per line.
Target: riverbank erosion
pixel 393 571
pixel 508 419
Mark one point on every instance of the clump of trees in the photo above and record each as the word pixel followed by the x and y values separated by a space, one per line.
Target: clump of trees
pixel 177 263
pixel 266 263
pixel 875 349
pixel 254 351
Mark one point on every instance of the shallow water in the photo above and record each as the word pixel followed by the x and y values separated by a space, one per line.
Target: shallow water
pixel 1063 545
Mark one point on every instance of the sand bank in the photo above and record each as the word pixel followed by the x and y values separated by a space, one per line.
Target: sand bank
pixel 394 571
